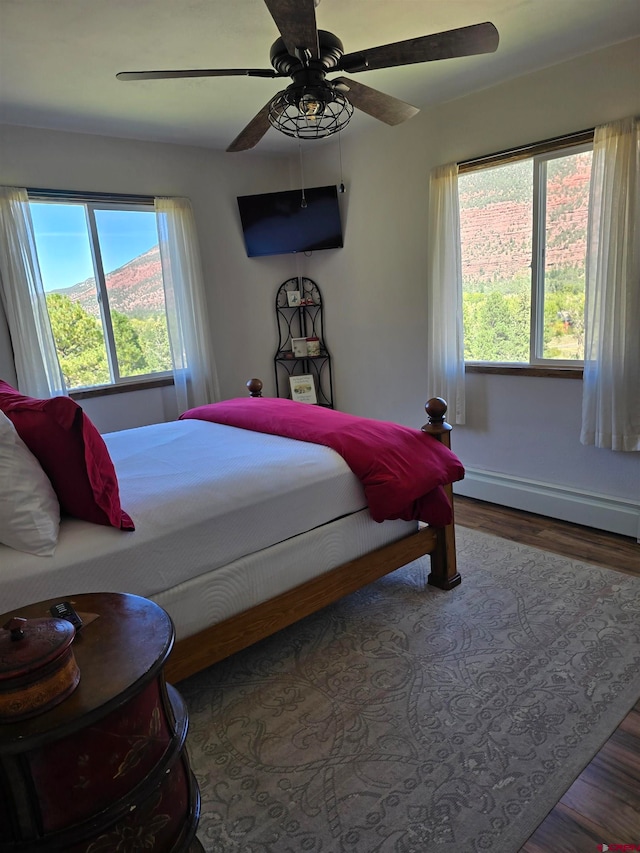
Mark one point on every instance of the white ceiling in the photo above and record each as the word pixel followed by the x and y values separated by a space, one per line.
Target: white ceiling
pixel 59 58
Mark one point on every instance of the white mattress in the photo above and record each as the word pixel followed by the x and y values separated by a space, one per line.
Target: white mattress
pixel 201 496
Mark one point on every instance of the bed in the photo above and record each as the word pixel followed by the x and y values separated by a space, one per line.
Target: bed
pixel 238 532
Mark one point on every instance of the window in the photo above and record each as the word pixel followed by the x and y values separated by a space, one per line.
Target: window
pixel 101 271
pixel 523 227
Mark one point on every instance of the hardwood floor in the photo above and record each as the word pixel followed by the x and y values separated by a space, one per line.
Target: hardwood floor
pixel 570 540
pixel 602 806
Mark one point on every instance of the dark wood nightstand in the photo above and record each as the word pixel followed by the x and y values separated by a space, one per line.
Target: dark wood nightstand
pixel 107 768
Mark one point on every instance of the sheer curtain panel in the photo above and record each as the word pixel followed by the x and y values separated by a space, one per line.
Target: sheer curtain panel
pixel 611 385
pixel 445 361
pixel 23 300
pixel 194 370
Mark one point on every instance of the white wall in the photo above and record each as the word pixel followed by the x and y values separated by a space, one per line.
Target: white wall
pixel 521 437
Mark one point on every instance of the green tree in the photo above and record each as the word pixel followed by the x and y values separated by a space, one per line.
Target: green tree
pixel 154 340
pixel 131 359
pixel 79 342
pixel 496 327
pixel 564 323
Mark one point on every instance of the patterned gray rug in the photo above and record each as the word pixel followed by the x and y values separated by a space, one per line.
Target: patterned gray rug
pixel 410 720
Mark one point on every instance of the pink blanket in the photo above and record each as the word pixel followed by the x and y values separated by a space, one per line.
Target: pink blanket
pixel 401 469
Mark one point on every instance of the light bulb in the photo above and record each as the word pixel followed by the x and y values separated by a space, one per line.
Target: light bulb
pixel 310 107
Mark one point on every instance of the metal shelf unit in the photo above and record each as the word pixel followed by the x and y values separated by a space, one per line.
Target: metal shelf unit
pixel 301 320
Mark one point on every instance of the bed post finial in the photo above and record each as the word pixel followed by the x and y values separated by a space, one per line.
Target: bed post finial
pixel 436 409
pixel 255 387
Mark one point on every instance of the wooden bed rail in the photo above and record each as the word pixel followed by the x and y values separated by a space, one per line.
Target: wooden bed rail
pixel 194 653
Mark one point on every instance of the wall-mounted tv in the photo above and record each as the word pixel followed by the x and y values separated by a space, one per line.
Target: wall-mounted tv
pixel 278 224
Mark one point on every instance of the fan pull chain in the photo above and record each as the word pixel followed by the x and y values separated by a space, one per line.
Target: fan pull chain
pixel 303 202
pixel 341 187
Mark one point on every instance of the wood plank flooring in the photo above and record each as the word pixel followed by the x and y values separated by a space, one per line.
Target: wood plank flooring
pixel 602 806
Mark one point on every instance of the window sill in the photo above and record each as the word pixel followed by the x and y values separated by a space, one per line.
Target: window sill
pixel 121 388
pixel 526 370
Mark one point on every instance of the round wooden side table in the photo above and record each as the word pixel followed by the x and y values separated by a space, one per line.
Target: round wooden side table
pixel 107 768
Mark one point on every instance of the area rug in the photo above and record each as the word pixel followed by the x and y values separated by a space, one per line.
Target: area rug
pixel 404 719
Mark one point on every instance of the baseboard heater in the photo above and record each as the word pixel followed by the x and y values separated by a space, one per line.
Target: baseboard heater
pixel 561 502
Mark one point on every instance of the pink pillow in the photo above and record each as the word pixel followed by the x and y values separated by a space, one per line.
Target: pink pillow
pixel 72 454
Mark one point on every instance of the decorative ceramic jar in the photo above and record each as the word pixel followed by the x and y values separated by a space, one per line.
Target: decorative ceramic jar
pixel 38 668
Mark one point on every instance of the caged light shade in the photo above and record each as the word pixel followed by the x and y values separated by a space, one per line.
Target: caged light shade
pixel 310 112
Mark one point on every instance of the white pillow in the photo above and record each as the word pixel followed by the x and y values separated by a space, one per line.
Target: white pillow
pixel 29 508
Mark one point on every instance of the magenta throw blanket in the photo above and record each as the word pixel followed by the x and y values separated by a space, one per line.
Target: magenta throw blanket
pixel 401 469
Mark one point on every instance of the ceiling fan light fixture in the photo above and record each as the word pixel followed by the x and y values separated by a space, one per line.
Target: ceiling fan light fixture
pixel 309 112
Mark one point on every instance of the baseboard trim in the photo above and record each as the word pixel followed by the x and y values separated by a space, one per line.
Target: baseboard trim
pixel 599 511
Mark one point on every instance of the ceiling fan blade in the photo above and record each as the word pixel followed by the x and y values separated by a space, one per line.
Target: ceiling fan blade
pixel 296 20
pixel 464 41
pixel 383 107
pixel 253 132
pixel 202 72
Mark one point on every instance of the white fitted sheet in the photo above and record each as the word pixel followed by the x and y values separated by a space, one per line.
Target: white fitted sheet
pixel 202 496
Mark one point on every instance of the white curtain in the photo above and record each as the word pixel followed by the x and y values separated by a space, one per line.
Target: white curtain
pixel 611 384
pixel 194 370
pixel 23 298
pixel 445 361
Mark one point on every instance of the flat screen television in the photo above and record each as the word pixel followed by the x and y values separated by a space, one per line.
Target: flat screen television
pixel 278 224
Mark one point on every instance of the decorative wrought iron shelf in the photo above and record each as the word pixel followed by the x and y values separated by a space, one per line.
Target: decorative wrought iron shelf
pixel 300 318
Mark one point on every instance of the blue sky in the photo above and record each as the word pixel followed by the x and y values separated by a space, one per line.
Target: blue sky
pixel 63 247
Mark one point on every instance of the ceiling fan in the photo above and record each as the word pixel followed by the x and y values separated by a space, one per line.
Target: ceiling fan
pixel 312 106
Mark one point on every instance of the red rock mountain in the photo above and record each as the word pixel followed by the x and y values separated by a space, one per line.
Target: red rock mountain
pixel 134 288
pixel 496 220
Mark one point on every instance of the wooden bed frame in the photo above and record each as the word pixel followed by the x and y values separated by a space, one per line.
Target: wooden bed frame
pixel 194 653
